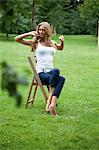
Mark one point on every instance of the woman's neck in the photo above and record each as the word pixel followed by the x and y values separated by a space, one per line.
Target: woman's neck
pixel 44 41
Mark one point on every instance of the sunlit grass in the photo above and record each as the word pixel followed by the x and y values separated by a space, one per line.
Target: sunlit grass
pixel 76 128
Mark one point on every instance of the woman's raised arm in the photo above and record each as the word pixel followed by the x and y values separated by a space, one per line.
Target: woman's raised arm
pixel 60 46
pixel 20 38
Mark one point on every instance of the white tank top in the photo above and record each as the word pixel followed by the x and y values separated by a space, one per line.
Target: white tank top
pixel 44 55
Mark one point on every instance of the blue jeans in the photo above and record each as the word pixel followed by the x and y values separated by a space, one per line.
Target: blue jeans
pixel 53 79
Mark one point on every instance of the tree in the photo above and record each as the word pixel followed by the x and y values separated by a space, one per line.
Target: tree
pixel 66 16
pixel 33 13
pixel 90 14
pixel 7 14
pixel 15 16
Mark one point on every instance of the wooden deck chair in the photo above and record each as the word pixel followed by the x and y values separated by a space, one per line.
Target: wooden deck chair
pixel 35 83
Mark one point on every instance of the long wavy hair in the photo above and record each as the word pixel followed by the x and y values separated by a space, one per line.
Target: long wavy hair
pixel 47 37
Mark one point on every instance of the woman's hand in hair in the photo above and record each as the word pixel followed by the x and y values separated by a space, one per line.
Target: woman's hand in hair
pixel 34 33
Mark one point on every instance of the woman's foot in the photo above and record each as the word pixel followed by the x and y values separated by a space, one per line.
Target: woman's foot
pixel 49 101
pixel 52 110
pixel 47 107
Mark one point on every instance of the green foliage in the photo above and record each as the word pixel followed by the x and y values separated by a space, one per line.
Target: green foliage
pixel 7 14
pixel 90 14
pixel 10 81
pixel 66 16
pixel 16 16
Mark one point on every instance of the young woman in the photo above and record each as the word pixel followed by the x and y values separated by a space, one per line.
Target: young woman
pixel 45 49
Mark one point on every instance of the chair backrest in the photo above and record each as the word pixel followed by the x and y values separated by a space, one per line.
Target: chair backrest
pixel 36 76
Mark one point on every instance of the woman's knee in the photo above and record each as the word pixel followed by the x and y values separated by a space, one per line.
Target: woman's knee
pixel 57 71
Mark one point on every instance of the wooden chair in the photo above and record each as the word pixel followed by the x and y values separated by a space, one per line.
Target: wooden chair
pixel 36 82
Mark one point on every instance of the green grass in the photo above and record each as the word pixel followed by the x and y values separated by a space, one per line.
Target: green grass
pixel 76 128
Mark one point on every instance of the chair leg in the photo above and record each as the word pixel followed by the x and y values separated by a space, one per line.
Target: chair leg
pixel 44 93
pixel 36 86
pixel 29 93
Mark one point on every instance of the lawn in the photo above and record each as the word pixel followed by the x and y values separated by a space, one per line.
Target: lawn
pixel 77 126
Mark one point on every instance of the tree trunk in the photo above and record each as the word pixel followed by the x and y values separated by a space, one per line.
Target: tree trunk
pixel 33 12
pixel 7 35
pixel 98 34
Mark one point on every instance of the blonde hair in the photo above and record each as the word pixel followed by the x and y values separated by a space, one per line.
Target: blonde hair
pixel 48 35
pixel 47 28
